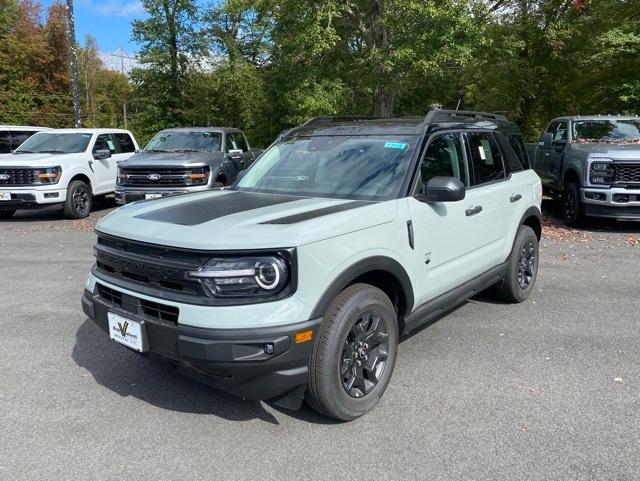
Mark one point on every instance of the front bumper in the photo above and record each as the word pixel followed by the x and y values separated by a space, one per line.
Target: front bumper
pixel 25 198
pixel 258 364
pixel 616 202
pixel 126 195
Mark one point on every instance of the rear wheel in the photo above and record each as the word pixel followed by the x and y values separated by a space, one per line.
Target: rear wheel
pixel 354 354
pixel 79 201
pixel 6 214
pixel 522 267
pixel 572 205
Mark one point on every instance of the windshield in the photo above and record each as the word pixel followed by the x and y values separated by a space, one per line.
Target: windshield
pixel 367 168
pixel 609 131
pixel 55 143
pixel 185 142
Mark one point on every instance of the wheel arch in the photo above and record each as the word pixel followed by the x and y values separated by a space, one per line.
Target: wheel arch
pixel 571 175
pixel 532 217
pixel 82 176
pixel 382 272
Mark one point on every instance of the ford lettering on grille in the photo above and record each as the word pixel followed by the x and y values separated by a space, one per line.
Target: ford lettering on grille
pixel 137 267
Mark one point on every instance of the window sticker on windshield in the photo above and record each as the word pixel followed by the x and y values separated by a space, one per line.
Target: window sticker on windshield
pixel 86 135
pixel 395 145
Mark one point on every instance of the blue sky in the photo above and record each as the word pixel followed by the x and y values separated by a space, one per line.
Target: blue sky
pixel 109 21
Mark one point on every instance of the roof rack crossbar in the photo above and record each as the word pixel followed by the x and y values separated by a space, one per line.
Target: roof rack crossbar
pixel 323 119
pixel 436 114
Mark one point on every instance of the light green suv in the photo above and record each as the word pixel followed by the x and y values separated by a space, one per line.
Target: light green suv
pixel 298 281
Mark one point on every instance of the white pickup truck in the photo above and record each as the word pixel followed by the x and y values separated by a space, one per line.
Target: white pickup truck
pixel 64 167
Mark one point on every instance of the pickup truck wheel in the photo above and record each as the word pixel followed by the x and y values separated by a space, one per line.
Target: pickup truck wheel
pixel 522 267
pixel 6 214
pixel 354 353
pixel 79 201
pixel 571 205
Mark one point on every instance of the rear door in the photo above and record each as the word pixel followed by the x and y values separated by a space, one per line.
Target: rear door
pixel 489 210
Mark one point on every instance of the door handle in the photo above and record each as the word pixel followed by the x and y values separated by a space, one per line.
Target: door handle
pixel 515 197
pixel 473 210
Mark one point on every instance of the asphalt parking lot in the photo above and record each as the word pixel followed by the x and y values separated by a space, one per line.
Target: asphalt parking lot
pixel 544 390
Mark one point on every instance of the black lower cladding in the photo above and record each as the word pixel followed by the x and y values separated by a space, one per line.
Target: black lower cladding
pixel 612 211
pixel 257 364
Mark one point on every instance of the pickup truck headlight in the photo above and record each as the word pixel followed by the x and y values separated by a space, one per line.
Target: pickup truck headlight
pixel 255 278
pixel 601 173
pixel 120 178
pixel 49 175
pixel 198 176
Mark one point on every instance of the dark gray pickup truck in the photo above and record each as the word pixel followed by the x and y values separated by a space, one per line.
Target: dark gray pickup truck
pixel 181 160
pixel 593 164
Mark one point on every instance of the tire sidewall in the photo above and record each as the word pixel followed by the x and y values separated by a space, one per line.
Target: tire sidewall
pixel 369 299
pixel 70 209
pixel 525 235
pixel 571 220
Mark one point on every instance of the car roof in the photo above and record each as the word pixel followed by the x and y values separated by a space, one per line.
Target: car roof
pixel 435 120
pixel 19 128
pixel 88 131
pixel 597 117
pixel 201 129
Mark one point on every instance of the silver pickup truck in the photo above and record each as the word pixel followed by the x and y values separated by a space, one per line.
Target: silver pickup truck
pixel 593 164
pixel 181 160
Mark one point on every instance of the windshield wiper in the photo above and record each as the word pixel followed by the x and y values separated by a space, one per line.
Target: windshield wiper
pixel 157 150
pixel 50 152
pixel 187 150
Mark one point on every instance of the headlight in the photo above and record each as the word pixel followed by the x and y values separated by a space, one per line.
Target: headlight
pixel 601 173
pixel 121 177
pixel 255 278
pixel 198 176
pixel 49 175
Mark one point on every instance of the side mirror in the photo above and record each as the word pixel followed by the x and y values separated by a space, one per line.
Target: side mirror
pixel 235 154
pixel 443 189
pixel 546 141
pixel 101 154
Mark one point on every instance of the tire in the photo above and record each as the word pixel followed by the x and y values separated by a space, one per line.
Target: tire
pixel 572 205
pixel 522 267
pixel 79 201
pixel 6 214
pixel 354 353
pixel 218 184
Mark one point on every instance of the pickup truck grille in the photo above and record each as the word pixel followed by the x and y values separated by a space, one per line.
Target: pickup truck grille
pixel 16 176
pixel 627 173
pixel 158 177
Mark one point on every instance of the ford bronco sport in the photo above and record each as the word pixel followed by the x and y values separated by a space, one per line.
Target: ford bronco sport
pixel 300 279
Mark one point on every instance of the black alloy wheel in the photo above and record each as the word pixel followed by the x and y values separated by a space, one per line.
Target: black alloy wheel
pixel 522 267
pixel 526 265
pixel 364 356
pixel 79 200
pixel 571 205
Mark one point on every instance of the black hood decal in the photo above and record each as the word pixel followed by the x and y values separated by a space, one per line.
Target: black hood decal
pixel 312 214
pixel 214 206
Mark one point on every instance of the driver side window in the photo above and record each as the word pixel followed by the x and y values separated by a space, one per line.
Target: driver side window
pixel 444 158
pixel 559 131
pixel 104 142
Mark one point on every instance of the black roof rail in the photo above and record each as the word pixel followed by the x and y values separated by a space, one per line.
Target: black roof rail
pixel 438 114
pixel 323 119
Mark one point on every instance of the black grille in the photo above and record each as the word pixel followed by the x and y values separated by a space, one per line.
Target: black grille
pixel 161 177
pixel 134 305
pixel 151 266
pixel 16 176
pixel 628 173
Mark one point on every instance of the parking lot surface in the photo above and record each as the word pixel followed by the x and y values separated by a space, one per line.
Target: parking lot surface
pixel 544 390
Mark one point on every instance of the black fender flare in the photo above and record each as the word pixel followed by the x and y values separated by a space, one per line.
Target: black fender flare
pixel 532 211
pixel 364 266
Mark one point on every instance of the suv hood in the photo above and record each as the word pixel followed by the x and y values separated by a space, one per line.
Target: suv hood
pixel 34 160
pixel 610 150
pixel 230 220
pixel 183 159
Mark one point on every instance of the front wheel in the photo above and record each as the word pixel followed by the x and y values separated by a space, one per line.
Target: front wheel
pixel 522 267
pixel 354 354
pixel 572 205
pixel 79 201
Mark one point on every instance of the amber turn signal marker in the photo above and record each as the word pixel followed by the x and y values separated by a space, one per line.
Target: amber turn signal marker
pixel 199 176
pixel 303 336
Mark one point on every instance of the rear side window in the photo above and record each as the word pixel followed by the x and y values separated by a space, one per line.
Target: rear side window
pixel 444 158
pixel 519 148
pixel 125 143
pixel 486 158
pixel 5 142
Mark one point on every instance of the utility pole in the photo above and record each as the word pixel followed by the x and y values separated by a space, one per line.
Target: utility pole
pixel 121 55
pixel 73 63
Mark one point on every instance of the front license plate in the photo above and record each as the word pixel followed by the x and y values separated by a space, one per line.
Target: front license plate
pixel 5 196
pixel 152 196
pixel 125 331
